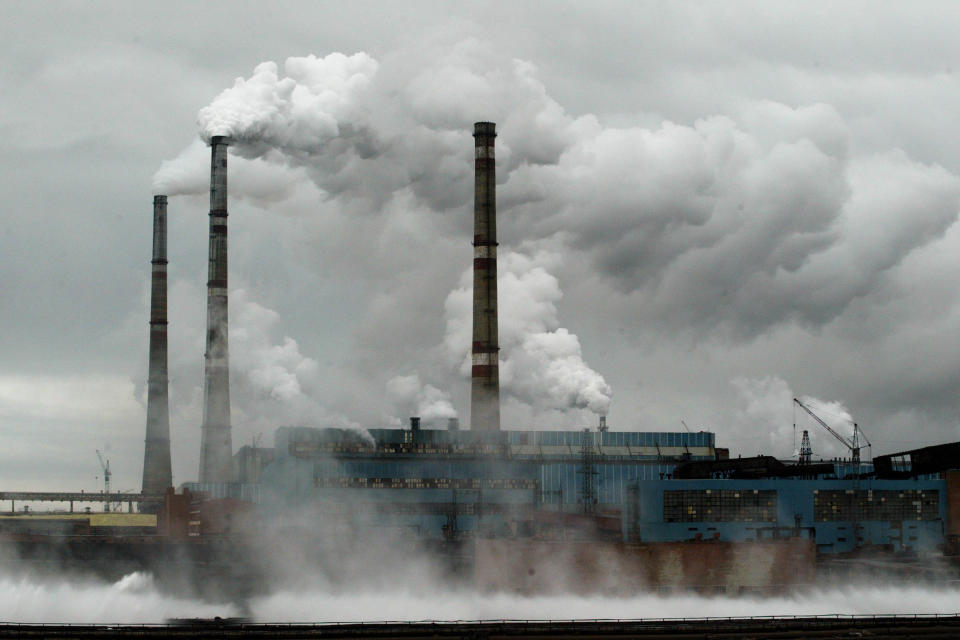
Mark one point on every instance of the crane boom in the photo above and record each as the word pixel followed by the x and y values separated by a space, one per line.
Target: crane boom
pixel 853 445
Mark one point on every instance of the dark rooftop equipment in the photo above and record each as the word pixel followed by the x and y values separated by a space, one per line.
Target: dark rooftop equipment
pixel 916 462
pixel 742 468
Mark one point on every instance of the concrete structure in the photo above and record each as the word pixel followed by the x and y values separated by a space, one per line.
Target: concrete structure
pixel 157 475
pixel 216 449
pixel 485 374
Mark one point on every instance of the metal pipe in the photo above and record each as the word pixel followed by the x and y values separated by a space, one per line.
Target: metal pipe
pixel 157 475
pixel 216 449
pixel 485 373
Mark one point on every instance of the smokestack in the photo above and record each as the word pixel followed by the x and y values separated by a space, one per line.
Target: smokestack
pixel 485 374
pixel 157 475
pixel 216 449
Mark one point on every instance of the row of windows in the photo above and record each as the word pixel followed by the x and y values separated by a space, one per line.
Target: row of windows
pixel 421 508
pixel 876 505
pixel 613 438
pixel 756 505
pixel 341 482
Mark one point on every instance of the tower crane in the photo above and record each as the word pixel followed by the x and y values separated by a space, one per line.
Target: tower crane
pixel 850 443
pixel 106 479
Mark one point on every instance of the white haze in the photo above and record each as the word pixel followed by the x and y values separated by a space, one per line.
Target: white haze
pixel 135 599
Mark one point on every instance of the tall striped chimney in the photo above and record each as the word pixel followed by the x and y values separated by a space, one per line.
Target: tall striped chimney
pixel 485 374
pixel 216 449
pixel 157 475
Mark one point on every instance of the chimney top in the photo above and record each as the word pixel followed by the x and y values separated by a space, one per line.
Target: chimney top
pixel 484 129
pixel 159 199
pixel 220 140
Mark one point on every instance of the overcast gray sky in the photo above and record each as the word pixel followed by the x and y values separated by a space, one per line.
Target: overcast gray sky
pixel 704 210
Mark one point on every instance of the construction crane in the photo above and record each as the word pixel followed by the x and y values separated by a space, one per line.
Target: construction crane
pixel 851 443
pixel 106 479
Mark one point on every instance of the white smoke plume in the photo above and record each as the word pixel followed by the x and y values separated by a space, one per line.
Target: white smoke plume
pixel 736 223
pixel 411 397
pixel 296 113
pixel 272 383
pixel 768 409
pixel 263 180
pixel 541 363
pixel 730 228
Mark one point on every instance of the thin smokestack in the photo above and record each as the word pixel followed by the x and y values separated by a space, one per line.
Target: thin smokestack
pixel 216 449
pixel 157 475
pixel 485 375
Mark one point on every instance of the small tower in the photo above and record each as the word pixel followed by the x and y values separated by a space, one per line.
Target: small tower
pixel 806 452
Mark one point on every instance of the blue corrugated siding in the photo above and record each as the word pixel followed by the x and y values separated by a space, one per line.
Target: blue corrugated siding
pixel 795 499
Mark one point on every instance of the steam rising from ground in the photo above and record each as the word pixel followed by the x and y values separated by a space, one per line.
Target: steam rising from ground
pixel 853 600
pixel 135 599
pixel 132 599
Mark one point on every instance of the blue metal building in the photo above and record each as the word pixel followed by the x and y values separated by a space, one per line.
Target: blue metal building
pixel 436 482
pixel 839 514
pixel 454 483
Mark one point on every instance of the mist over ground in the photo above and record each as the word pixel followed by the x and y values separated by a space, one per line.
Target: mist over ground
pixel 136 599
pixel 704 212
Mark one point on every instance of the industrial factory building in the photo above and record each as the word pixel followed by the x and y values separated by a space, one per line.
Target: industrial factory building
pixel 438 483
pixel 449 484
pixel 641 492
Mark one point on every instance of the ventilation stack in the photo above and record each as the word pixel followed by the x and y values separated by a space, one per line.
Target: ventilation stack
pixel 485 374
pixel 216 449
pixel 157 475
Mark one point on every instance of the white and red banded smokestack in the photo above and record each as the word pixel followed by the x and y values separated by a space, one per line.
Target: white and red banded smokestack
pixel 485 372
pixel 157 475
pixel 216 448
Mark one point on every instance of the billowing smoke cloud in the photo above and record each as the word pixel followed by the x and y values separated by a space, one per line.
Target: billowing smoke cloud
pixel 768 409
pixel 736 223
pixel 272 383
pixel 729 228
pixel 411 397
pixel 541 363
pixel 264 180
pixel 297 113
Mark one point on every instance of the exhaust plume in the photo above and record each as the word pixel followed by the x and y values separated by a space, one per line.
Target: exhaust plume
pixel 768 409
pixel 411 397
pixel 541 363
